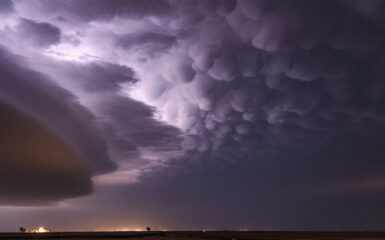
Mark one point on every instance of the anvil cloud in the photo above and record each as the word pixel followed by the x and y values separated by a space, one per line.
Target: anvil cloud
pixel 272 104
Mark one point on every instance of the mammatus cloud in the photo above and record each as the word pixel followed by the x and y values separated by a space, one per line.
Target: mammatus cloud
pixel 290 92
pixel 262 73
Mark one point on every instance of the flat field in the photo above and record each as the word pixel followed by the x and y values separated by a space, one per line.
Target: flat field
pixel 198 235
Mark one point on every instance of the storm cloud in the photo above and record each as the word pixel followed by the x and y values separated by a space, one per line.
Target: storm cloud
pixel 39 34
pixel 37 163
pixel 36 158
pixel 6 6
pixel 284 97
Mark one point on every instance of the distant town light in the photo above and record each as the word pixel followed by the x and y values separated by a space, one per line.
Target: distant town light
pixel 40 230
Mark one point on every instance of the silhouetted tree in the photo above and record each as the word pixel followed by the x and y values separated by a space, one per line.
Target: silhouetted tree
pixel 148 229
pixel 22 230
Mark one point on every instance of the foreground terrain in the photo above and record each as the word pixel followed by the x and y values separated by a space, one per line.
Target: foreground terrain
pixel 197 235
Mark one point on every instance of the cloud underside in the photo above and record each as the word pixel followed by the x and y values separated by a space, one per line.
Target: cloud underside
pixel 46 154
pixel 230 85
pixel 45 127
pixel 37 167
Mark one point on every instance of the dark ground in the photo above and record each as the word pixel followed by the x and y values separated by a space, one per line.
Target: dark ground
pixel 198 235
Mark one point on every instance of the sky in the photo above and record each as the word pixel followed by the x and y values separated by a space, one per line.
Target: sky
pixel 192 114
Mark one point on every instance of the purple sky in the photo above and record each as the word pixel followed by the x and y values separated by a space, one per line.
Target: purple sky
pixel 222 114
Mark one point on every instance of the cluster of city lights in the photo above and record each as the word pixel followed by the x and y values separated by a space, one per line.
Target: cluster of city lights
pixel 40 230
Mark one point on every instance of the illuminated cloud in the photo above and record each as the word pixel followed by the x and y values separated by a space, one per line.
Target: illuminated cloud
pixel 276 94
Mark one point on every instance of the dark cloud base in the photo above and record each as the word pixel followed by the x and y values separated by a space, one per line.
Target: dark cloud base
pixel 280 104
pixel 37 167
pixel 38 34
pixel 50 147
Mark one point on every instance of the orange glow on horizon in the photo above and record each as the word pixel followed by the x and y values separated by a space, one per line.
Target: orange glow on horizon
pixel 40 230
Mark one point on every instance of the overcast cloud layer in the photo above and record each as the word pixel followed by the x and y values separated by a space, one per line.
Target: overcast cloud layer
pixel 274 109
